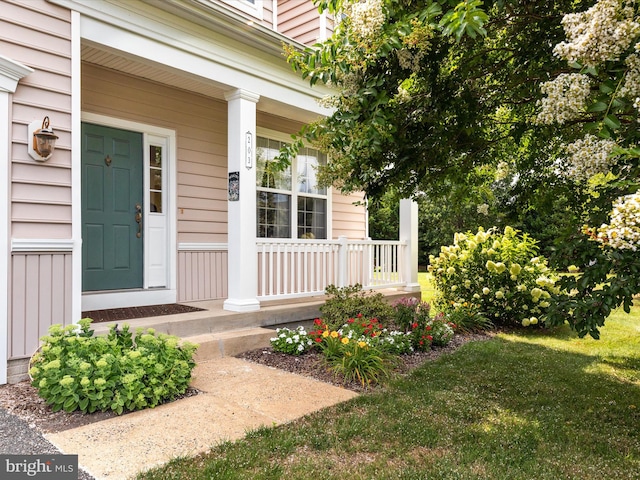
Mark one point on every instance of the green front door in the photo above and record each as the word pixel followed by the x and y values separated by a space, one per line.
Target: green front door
pixel 112 257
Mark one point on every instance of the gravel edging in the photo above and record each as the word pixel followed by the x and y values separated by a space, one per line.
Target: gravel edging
pixel 17 437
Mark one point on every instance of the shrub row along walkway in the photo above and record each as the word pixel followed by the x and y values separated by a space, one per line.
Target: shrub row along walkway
pixel 237 396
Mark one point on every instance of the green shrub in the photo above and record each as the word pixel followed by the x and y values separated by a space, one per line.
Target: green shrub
pixel 292 342
pixel 467 319
pixel 74 370
pixel 499 276
pixel 348 302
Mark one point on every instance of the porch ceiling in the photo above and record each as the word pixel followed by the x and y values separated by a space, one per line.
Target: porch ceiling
pixel 140 67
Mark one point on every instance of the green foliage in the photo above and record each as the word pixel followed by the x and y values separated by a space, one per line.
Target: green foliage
pixel 441 330
pixel 351 301
pixel 498 275
pixel 361 362
pixel 603 280
pixel 293 342
pixel 74 370
pixel 467 319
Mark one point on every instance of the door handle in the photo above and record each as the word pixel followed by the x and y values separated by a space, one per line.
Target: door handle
pixel 138 219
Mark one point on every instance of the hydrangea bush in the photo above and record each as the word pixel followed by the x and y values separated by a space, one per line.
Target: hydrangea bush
pixel 499 275
pixel 74 370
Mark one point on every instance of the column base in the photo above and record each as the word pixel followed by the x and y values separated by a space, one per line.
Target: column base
pixel 241 304
pixel 411 287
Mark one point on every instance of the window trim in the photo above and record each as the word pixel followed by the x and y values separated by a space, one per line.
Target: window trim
pixel 255 8
pixel 283 137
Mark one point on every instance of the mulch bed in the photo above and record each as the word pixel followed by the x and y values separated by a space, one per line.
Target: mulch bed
pixel 118 314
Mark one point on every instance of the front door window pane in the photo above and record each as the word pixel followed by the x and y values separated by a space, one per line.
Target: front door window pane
pixel 155 179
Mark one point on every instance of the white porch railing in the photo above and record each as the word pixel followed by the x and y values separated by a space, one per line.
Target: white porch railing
pixel 298 268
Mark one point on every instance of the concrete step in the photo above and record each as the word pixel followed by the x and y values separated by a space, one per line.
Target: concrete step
pixel 230 343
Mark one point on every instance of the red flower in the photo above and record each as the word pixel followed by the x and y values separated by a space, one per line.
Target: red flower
pixel 414 325
pixel 317 321
pixel 351 320
pixel 318 339
pixel 430 337
pixel 428 328
pixel 359 315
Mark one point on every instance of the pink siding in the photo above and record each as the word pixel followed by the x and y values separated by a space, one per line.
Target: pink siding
pixel 201 128
pixel 202 275
pixel 348 219
pixel 299 20
pixel 38 34
pixel 41 297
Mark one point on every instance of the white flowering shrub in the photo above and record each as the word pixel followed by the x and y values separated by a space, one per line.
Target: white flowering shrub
pixel 589 156
pixel 497 275
pixel 292 342
pixel 565 100
pixel 367 19
pixel 623 230
pixel 601 33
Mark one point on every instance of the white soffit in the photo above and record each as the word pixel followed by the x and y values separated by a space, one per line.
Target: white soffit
pixel 210 63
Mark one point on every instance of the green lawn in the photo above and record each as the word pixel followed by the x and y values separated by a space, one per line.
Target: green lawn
pixel 531 405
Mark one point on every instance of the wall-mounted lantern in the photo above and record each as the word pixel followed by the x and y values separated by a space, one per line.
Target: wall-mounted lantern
pixel 43 141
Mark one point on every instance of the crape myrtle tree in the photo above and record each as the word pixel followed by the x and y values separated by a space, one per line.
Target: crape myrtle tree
pixel 427 92
pixel 598 101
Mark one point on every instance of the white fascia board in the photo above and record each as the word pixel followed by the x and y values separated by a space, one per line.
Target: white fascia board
pixel 163 38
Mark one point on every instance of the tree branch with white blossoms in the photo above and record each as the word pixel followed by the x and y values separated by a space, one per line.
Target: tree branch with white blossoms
pixel 602 45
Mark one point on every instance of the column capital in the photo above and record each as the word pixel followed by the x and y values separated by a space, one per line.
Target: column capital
pixel 240 94
pixel 10 73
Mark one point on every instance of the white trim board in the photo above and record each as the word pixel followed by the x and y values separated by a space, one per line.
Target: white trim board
pixel 145 296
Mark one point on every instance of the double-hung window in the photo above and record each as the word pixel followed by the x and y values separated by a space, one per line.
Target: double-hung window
pixel 289 202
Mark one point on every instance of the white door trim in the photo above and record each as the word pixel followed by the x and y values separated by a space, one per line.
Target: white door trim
pixel 147 295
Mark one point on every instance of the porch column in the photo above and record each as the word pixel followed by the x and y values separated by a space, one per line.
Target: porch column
pixel 10 74
pixel 241 223
pixel 409 234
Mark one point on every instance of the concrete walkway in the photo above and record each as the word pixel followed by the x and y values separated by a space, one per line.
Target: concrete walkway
pixel 239 396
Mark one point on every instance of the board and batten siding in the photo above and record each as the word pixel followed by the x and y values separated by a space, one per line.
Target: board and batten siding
pixel 38 34
pixel 202 275
pixel 42 297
